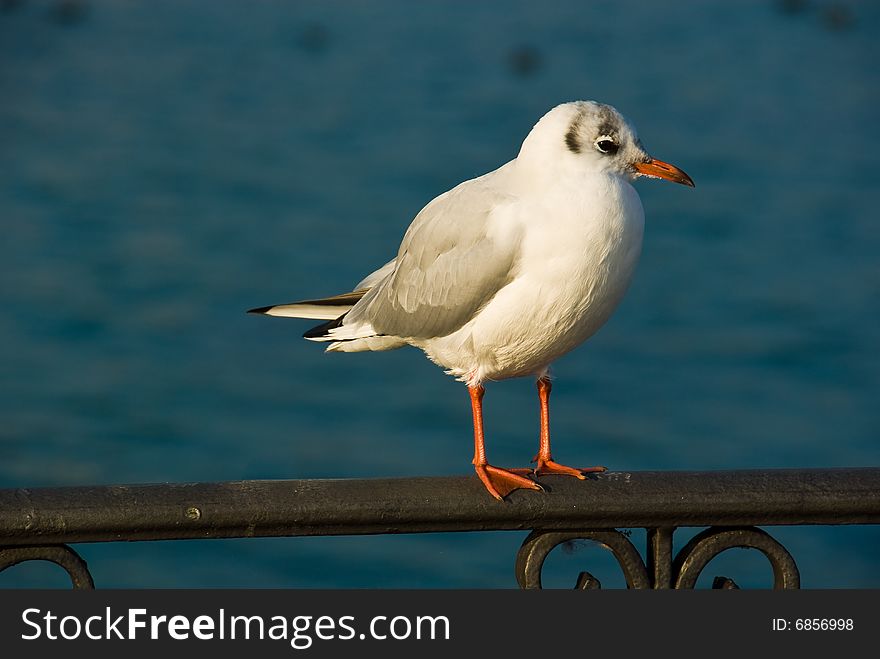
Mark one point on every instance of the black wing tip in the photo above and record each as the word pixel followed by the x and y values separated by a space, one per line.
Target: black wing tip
pixel 320 331
pixel 262 310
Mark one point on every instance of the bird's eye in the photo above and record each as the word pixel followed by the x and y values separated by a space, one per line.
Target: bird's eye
pixel 606 145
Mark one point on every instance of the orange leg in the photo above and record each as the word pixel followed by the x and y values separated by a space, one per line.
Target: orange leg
pixel 546 465
pixel 499 482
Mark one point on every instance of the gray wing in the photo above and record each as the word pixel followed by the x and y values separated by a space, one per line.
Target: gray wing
pixel 447 267
pixel 375 277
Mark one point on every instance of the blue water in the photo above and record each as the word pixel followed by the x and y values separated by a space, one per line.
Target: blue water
pixel 167 165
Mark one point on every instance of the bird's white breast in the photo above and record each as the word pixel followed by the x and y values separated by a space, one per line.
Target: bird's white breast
pixel 579 245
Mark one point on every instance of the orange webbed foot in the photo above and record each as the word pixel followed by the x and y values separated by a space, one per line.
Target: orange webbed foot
pixel 549 467
pixel 501 482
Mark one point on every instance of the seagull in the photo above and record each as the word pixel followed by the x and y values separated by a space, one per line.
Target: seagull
pixel 505 273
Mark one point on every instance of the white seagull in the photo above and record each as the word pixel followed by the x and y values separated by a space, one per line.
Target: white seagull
pixel 507 272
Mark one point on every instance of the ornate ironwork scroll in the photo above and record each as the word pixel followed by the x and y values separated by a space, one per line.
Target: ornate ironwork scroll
pixel 62 555
pixel 705 546
pixel 536 547
pixel 662 571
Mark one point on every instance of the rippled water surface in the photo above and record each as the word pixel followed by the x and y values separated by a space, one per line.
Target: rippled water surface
pixel 167 165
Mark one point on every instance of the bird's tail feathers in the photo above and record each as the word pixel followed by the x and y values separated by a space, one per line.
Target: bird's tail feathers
pixel 336 330
pixel 328 308
pixel 354 337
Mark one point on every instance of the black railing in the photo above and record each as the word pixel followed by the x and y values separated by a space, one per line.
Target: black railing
pixel 39 524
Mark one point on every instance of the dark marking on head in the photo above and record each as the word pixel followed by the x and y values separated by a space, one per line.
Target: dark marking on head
pixel 609 122
pixel 571 137
pixel 607 115
pixel 607 130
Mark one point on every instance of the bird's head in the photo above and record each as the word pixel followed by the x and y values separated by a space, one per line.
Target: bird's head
pixel 594 137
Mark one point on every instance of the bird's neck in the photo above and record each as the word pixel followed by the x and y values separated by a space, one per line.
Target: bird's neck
pixel 544 174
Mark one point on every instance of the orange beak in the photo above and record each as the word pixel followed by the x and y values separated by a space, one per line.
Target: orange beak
pixel 660 169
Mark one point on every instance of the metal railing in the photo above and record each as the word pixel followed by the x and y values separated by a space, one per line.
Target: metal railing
pixel 40 524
